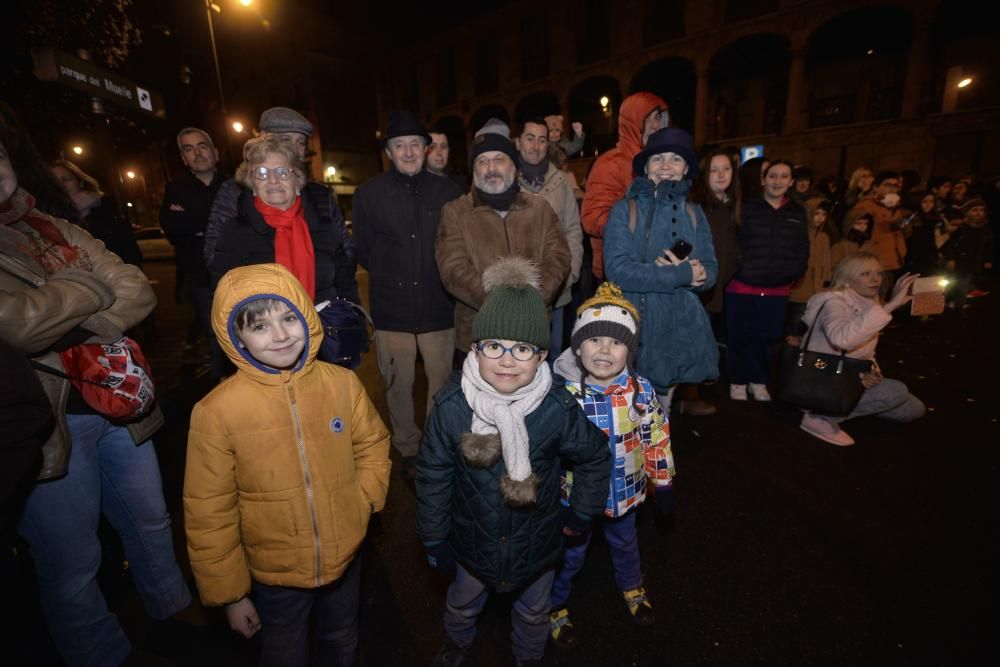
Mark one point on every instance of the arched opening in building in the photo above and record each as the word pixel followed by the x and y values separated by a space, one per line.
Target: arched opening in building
pixel 458 154
pixel 856 65
pixel 674 81
pixel 537 104
pixel 484 113
pixel 748 87
pixel 594 102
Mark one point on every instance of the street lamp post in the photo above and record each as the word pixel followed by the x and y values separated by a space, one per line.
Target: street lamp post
pixel 215 54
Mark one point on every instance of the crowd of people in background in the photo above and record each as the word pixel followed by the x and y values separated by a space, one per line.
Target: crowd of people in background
pixel 709 266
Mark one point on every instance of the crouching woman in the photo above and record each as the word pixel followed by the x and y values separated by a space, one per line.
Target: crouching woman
pixel 849 317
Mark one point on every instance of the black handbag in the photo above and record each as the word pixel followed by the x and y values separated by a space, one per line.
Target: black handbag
pixel 827 384
pixel 347 333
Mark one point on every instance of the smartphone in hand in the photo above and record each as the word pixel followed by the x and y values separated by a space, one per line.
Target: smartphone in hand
pixel 681 249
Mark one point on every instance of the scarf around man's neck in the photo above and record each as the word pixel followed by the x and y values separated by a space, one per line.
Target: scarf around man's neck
pixel 293 246
pixel 502 201
pixel 534 174
pixel 495 413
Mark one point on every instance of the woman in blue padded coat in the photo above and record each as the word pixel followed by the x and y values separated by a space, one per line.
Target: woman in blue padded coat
pixel 645 256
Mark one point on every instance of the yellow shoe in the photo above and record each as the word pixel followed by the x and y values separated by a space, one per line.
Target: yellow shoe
pixel 638 606
pixel 561 629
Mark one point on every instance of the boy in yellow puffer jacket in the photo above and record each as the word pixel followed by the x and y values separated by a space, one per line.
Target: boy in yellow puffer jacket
pixel 287 460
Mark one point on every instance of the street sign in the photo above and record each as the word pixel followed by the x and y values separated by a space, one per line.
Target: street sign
pixel 750 152
pixel 67 70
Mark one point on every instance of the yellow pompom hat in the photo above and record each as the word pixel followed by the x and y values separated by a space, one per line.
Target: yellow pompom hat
pixel 607 313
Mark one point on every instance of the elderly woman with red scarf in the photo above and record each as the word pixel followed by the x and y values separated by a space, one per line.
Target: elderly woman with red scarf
pixel 276 224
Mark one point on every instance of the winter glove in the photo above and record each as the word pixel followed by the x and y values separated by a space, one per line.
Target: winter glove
pixel 665 503
pixel 440 558
pixel 573 523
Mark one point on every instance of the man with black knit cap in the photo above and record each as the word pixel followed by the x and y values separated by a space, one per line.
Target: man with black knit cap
pixel 496 219
pixel 396 217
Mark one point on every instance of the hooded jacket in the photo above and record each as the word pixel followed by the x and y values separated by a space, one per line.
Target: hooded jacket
pixel 612 171
pixel 284 468
pixel 639 441
pixel 676 343
pixel 461 504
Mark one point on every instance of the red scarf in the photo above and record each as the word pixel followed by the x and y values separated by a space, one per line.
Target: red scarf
pixel 293 247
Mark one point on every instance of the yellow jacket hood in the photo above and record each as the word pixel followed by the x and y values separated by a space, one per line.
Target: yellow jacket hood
pixel 245 284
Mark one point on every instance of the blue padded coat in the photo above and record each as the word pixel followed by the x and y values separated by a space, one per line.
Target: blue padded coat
pixel 675 342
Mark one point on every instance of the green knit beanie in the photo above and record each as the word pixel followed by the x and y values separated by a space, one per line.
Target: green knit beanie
pixel 514 309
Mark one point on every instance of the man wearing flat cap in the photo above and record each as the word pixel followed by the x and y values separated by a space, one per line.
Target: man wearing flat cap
pixel 496 219
pixel 395 223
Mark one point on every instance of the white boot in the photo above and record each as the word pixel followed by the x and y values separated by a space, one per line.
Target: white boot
pixel 738 392
pixel 759 392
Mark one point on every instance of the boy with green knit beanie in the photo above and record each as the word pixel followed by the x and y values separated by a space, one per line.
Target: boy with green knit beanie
pixel 488 499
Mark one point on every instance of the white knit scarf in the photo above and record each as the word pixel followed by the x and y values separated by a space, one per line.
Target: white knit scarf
pixel 493 412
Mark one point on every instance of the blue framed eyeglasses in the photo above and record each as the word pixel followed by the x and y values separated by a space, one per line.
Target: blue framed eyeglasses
pixel 494 349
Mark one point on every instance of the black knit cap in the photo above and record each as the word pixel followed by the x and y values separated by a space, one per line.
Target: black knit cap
pixel 485 143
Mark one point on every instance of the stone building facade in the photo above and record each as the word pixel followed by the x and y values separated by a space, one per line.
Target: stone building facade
pixel 829 83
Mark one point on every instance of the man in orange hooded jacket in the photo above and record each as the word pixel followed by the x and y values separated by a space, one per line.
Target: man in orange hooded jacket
pixel 640 115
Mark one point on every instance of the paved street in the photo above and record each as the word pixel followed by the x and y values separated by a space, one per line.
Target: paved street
pixel 783 550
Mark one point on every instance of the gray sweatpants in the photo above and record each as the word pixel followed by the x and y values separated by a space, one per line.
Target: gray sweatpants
pixel 889 399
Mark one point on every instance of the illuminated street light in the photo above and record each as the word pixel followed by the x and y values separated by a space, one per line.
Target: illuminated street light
pixel 129 204
pixel 605 101
pixel 237 126
pixel 130 174
pixel 331 171
pixel 965 82
pixel 871 52
pixel 78 150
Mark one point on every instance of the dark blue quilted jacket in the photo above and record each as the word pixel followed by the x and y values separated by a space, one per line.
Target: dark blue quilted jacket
pixel 502 546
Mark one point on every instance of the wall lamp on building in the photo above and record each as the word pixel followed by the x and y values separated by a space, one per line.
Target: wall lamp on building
pixel 964 83
pixel 130 173
pixel 237 127
pixel 330 174
pixel 77 150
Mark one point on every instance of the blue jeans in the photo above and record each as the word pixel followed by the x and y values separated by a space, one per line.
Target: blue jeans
pixel 284 616
pixel 623 543
pixel 529 616
pixel 111 474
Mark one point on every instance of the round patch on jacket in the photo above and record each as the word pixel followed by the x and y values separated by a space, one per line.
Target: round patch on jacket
pixel 336 424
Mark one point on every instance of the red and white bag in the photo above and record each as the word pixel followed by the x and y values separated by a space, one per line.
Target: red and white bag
pixel 113 378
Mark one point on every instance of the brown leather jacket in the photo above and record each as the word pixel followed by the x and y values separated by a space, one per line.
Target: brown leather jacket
pixel 35 312
pixel 472 236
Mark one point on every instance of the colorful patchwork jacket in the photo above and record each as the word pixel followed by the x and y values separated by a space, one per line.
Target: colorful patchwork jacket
pixel 639 435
